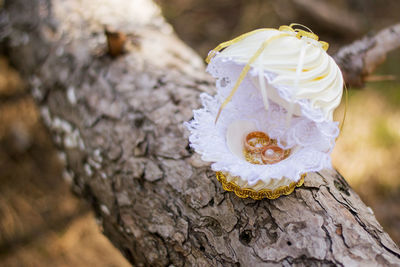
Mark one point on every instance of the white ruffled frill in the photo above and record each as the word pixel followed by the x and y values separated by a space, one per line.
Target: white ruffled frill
pixel 310 137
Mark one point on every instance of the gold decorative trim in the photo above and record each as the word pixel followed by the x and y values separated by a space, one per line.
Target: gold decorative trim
pixel 258 195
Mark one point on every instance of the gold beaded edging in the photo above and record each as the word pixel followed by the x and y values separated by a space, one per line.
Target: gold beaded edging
pixel 258 195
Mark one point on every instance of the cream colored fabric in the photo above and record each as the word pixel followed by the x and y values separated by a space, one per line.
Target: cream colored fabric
pixel 320 81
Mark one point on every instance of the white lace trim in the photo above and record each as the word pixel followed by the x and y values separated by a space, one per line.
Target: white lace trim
pixel 311 138
pixel 227 70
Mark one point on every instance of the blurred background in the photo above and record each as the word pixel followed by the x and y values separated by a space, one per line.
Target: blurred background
pixel 43 224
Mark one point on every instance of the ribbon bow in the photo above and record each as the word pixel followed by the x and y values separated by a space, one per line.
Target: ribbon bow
pixel 285 31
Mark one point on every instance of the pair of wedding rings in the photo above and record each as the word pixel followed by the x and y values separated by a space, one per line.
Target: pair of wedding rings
pixel 259 143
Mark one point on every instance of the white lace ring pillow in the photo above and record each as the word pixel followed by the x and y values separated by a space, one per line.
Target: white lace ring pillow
pixel 279 82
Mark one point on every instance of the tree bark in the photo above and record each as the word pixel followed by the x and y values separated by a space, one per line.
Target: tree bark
pixel 361 58
pixel 118 124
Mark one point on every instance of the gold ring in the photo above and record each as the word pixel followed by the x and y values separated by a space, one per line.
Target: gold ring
pixel 256 146
pixel 272 154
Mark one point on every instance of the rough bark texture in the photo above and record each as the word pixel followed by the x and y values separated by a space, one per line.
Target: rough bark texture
pixel 360 59
pixel 119 125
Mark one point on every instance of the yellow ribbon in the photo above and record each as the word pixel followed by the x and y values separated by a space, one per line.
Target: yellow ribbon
pixel 346 103
pixel 302 33
pixel 223 45
pixel 299 34
pixel 246 70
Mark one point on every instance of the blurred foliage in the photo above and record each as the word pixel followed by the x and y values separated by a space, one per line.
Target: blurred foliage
pixel 383 134
pixel 203 24
pixel 389 88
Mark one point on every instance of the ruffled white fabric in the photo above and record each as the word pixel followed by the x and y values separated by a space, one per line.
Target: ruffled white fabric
pixel 311 137
pixel 300 63
pixel 227 70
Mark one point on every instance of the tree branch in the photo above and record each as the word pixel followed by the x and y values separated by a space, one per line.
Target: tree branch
pixel 360 59
pixel 332 17
pixel 118 122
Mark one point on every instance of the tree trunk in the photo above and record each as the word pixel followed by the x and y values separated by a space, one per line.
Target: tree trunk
pixel 118 122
